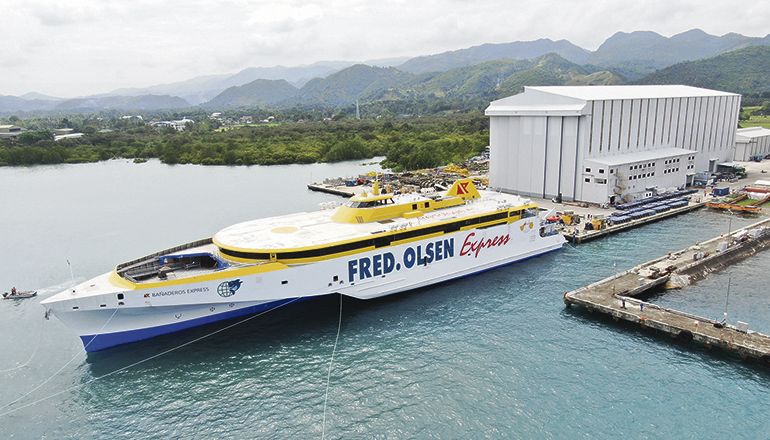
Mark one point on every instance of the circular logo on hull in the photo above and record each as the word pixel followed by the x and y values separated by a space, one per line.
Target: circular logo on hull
pixel 228 288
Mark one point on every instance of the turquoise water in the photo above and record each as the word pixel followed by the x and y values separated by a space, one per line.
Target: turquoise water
pixel 496 355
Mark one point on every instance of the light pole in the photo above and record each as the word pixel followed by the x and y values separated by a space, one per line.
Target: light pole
pixel 727 301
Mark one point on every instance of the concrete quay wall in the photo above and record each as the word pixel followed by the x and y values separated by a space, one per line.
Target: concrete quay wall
pixel 616 295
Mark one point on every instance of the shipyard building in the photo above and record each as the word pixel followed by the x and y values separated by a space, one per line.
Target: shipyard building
pixel 608 144
pixel 752 143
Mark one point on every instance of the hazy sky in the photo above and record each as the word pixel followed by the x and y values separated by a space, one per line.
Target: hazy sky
pixel 82 47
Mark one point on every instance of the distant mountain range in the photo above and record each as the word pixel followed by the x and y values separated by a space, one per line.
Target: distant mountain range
pixel 488 71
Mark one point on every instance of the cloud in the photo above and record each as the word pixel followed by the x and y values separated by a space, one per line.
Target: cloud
pixel 57 14
pixel 279 13
pixel 100 45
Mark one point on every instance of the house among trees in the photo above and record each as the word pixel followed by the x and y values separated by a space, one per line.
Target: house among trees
pixel 178 125
pixel 10 131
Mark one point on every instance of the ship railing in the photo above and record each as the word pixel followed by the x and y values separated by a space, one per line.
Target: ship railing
pixel 151 261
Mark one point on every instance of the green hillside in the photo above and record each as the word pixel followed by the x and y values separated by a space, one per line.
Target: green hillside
pixel 344 87
pixel 745 71
pixel 496 79
pixel 519 50
pixel 258 92
pixel 144 102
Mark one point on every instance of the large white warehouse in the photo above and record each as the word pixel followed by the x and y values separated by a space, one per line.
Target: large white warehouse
pixel 606 144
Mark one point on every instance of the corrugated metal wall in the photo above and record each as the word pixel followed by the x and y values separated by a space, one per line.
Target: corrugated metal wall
pixel 542 156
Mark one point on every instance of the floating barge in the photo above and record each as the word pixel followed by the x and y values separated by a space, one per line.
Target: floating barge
pixel 616 295
pixel 733 205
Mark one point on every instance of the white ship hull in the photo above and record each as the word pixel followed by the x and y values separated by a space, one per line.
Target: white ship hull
pixel 112 316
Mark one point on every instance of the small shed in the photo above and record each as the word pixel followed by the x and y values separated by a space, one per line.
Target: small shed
pixel 751 144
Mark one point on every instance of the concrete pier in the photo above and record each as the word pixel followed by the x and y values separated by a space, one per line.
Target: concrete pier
pixel 576 235
pixel 616 295
pixel 340 190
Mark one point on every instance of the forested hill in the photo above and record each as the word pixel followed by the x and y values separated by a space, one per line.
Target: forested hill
pixel 258 92
pixel 496 79
pixel 348 85
pixel 481 82
pixel 743 71
pixel 518 50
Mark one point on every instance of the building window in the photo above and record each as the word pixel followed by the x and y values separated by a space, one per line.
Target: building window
pixel 588 170
pixel 588 180
pixel 601 170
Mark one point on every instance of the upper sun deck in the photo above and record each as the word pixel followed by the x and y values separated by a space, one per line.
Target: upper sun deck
pixel 368 221
pixel 294 237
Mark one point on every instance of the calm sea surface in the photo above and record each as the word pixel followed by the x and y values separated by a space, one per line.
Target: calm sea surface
pixel 496 355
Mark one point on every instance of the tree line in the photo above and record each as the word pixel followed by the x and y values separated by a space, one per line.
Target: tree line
pixel 408 143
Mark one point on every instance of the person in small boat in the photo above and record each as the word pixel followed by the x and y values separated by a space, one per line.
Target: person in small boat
pixel 13 292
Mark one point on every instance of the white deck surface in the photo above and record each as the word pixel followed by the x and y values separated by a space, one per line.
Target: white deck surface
pixel 316 228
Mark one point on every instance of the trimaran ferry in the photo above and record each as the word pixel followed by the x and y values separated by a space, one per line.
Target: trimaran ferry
pixel 373 245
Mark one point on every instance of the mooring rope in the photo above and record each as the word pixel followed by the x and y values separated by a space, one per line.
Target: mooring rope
pixel 329 375
pixel 37 345
pixel 59 371
pixel 128 366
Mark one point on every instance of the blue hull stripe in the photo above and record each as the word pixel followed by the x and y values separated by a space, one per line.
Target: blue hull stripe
pixel 100 342
pixel 107 340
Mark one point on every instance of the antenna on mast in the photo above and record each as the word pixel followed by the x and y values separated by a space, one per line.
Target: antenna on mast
pixel 727 301
pixel 72 274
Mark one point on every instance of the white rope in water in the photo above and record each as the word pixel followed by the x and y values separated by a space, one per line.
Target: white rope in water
pixel 37 345
pixel 329 376
pixel 128 366
pixel 60 369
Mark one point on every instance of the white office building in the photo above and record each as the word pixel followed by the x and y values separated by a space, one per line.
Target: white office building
pixel 751 142
pixel 605 144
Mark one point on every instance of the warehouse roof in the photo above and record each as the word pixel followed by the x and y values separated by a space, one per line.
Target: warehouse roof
pixel 641 156
pixel 749 133
pixel 573 100
pixel 597 93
